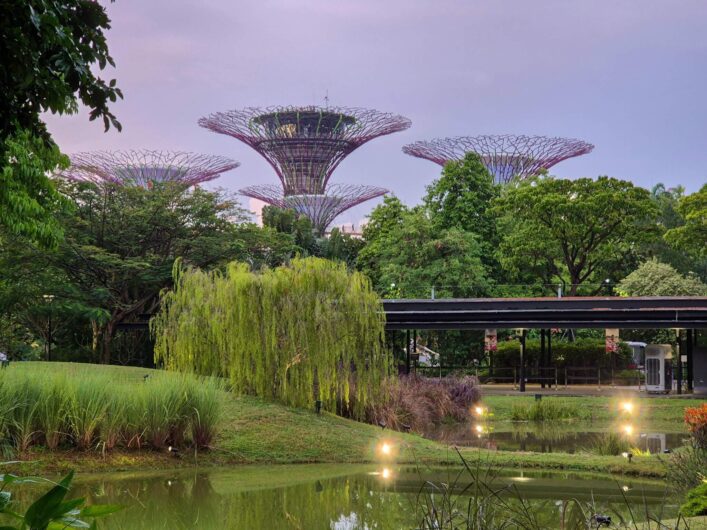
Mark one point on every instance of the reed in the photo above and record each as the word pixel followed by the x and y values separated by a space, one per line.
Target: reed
pixel 86 409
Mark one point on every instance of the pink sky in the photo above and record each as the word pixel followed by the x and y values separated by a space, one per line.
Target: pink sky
pixel 628 76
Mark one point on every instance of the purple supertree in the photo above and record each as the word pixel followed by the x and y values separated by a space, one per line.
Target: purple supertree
pixel 322 208
pixel 304 144
pixel 145 168
pixel 505 156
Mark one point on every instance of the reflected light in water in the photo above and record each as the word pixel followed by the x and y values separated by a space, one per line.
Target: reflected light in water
pixel 386 473
pixel 628 429
pixel 479 428
pixel 521 479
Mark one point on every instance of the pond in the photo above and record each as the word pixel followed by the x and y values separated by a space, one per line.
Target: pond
pixel 549 437
pixel 335 497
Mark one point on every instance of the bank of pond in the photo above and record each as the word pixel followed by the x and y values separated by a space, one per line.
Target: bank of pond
pixel 365 496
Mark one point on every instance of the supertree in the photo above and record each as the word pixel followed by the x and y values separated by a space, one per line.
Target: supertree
pixel 505 156
pixel 304 144
pixel 322 208
pixel 145 168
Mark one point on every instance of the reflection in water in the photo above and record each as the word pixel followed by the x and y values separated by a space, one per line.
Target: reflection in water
pixel 254 498
pixel 549 437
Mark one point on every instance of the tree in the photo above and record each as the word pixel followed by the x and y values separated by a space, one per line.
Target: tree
pixel 378 233
pixel 298 333
pixel 407 256
pixel 578 232
pixel 121 244
pixel 48 51
pixel 27 196
pixel 653 278
pixel 691 237
pixel 461 198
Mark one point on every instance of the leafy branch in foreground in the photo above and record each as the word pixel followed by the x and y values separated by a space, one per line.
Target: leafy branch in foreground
pixel 51 510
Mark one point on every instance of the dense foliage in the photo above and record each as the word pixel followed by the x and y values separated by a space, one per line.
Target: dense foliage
pixel 61 406
pixel 299 333
pixel 49 50
pixel 653 278
pixel 573 231
pixel 581 352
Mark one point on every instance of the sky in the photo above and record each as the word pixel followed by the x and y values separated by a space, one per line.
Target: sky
pixel 627 76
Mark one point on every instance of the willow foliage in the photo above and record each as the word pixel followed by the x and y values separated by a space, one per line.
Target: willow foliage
pixel 304 331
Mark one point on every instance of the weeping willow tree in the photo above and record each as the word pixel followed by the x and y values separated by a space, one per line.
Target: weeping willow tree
pixel 310 330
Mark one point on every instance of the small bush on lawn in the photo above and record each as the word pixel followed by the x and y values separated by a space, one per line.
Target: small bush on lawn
pixel 696 502
pixel 696 420
pixel 40 405
pixel 417 403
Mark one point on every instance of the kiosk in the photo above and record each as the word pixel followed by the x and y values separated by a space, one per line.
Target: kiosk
pixel 659 368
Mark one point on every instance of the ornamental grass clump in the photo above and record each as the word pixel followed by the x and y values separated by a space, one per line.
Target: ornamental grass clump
pixel 299 333
pixel 544 410
pixel 55 410
pixel 418 403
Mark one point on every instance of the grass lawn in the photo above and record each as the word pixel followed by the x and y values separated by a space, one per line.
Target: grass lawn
pixel 591 408
pixel 256 431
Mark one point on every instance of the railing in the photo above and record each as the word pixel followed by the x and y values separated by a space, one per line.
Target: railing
pixel 552 376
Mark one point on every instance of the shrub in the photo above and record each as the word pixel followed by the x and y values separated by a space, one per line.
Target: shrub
pixel 695 502
pixel 582 352
pixel 417 403
pixel 696 420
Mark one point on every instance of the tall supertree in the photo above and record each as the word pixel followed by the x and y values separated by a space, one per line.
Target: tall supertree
pixel 304 144
pixel 323 208
pixel 505 156
pixel 145 168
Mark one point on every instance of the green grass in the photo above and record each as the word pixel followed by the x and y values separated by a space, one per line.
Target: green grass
pixel 61 406
pixel 255 431
pixel 591 408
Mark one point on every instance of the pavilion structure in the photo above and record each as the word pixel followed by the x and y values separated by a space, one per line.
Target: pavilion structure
pixel 145 168
pixel 505 156
pixel 304 145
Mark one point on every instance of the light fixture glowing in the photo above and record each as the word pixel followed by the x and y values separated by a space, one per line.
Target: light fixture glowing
pixel 479 410
pixel 386 448
pixel 625 488
pixel 627 407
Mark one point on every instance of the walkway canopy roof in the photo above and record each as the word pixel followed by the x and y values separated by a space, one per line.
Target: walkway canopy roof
pixel 571 312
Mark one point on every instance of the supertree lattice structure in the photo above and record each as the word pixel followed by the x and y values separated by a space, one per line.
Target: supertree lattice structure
pixel 322 209
pixel 145 168
pixel 505 156
pixel 304 144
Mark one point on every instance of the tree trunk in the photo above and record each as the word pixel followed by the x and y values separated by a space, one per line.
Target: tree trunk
pixel 106 340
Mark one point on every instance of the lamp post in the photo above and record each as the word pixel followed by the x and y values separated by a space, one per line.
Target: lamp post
pixel 679 356
pixel 522 359
pixel 49 298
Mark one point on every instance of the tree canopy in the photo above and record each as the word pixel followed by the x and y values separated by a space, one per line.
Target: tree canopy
pixel 653 278
pixel 691 237
pixel 575 231
pixel 297 333
pixel 49 50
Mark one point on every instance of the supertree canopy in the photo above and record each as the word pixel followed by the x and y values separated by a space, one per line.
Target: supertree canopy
pixel 505 156
pixel 323 208
pixel 145 168
pixel 304 144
